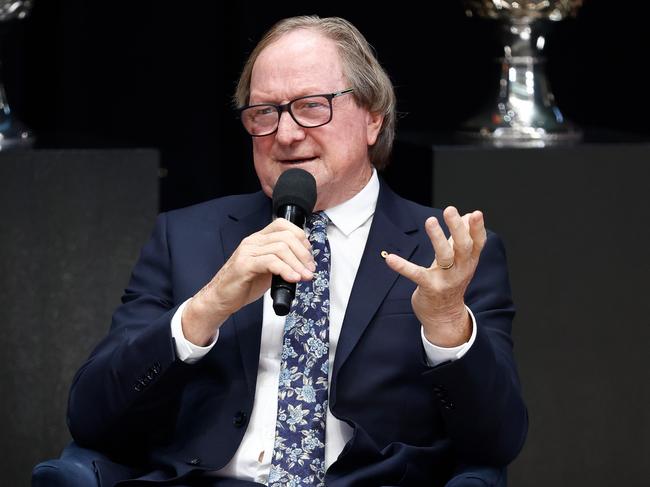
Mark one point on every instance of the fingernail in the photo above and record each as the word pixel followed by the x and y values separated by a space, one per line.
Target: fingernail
pixel 312 266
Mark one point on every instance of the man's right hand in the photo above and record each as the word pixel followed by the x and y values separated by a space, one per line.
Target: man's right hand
pixel 280 248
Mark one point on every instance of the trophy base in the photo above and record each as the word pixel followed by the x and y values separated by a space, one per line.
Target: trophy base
pixel 520 137
pixel 15 137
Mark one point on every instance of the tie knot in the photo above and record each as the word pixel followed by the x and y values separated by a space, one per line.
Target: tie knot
pixel 317 222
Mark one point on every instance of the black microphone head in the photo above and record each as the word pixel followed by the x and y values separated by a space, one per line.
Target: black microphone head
pixel 295 187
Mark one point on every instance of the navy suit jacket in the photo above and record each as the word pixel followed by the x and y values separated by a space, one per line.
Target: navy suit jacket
pixel 413 424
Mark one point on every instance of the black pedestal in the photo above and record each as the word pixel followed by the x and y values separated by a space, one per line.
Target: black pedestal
pixel 575 224
pixel 72 226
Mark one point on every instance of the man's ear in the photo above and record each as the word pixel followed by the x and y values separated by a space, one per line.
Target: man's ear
pixel 374 122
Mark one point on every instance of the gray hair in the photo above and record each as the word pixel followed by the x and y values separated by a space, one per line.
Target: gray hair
pixel 373 89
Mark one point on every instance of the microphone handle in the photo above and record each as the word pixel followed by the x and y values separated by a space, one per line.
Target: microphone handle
pixel 283 292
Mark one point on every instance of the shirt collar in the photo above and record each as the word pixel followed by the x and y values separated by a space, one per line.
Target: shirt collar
pixel 351 214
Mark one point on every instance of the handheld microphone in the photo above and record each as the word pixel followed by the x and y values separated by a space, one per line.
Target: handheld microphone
pixel 294 197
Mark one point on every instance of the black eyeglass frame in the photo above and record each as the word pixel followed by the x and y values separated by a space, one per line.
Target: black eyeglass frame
pixel 287 107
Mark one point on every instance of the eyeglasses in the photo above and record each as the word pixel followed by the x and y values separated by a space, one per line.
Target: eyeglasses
pixel 307 111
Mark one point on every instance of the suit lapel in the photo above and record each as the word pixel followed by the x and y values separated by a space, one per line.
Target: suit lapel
pixel 391 230
pixel 247 322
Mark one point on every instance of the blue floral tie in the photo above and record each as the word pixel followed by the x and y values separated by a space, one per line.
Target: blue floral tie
pixel 299 451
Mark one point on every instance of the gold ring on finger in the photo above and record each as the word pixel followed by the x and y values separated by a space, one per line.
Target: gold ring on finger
pixel 448 266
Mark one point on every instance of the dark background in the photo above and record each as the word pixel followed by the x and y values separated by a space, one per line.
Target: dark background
pixel 104 75
pixel 161 74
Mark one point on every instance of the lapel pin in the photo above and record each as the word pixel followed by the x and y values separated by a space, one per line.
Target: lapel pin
pixel 384 254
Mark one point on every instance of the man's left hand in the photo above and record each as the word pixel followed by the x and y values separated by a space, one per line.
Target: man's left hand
pixel 438 300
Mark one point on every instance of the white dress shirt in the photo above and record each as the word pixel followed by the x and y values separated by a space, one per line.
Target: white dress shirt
pixel 347 235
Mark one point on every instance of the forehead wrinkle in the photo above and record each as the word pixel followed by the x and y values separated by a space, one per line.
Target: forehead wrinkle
pixel 298 64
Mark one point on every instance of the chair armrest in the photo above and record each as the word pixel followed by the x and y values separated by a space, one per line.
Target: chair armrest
pixel 74 468
pixel 471 476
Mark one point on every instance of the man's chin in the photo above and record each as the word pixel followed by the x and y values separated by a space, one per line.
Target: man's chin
pixel 301 163
pixel 268 179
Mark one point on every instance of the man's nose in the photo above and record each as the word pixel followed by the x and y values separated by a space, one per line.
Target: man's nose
pixel 288 130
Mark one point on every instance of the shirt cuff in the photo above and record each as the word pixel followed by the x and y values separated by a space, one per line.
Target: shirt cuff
pixel 437 355
pixel 186 350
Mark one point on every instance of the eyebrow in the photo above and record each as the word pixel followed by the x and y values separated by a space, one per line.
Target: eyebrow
pixel 298 94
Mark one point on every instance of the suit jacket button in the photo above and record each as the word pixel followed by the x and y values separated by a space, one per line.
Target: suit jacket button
pixel 239 419
pixel 194 461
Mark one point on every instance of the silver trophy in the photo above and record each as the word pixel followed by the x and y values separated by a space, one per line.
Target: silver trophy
pixel 524 112
pixel 13 133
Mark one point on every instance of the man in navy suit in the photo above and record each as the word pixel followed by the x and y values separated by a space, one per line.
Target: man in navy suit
pixel 422 378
